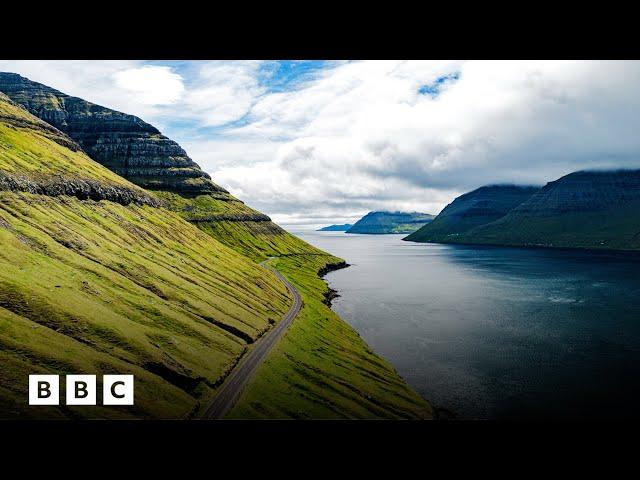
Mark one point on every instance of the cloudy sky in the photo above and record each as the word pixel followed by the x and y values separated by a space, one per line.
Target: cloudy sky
pixel 313 143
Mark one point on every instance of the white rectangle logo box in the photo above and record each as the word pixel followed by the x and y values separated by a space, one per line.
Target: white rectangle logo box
pixel 117 390
pixel 81 390
pixel 44 390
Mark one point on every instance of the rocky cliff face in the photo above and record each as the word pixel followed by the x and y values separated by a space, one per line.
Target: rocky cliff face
pixel 136 151
pixel 478 207
pixel 39 159
pixel 123 143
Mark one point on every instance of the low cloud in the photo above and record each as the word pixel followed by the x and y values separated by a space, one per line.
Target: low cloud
pixel 151 85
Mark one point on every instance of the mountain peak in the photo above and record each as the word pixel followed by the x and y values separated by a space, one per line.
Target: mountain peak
pixel 121 142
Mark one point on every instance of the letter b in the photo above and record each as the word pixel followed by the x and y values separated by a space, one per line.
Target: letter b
pixel 81 389
pixel 44 390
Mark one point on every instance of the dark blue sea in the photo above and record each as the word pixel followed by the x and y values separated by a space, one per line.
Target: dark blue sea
pixel 497 333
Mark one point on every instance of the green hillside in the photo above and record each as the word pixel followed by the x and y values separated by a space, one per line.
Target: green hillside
pixel 33 150
pixel 580 210
pixel 587 209
pixel 322 368
pixel 98 275
pixel 95 286
pixel 238 226
pixel 479 207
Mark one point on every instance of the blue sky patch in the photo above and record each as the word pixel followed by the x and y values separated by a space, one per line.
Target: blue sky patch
pixel 285 75
pixel 433 89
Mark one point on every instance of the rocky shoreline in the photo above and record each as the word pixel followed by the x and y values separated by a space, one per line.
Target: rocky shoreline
pixel 331 294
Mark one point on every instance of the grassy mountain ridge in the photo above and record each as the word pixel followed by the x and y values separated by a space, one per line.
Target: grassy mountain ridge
pixel 478 207
pixel 138 152
pixel 236 225
pixel 97 286
pixel 123 143
pixel 585 209
pixel 158 284
pixel 598 209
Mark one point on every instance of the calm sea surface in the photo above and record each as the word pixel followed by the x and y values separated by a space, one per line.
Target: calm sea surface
pixel 495 333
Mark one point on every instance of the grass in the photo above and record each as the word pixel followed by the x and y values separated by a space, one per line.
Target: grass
pixel 136 283
pixel 28 149
pixel 257 240
pixel 612 229
pixel 98 287
pixel 210 205
pixel 322 369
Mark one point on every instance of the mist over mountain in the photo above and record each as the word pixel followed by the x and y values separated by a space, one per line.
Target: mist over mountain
pixel 585 209
pixel 478 207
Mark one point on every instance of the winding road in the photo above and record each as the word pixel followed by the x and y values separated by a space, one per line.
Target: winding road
pixel 239 378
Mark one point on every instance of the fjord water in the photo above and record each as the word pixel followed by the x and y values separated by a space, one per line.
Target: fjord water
pixel 497 333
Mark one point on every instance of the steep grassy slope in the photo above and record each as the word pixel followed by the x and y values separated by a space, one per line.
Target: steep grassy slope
pixel 481 206
pixel 238 226
pixel 322 369
pixel 97 287
pixel 29 147
pixel 390 222
pixel 136 283
pixel 580 210
pixel 137 151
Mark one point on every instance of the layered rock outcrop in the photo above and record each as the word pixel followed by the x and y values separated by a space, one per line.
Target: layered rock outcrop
pixel 123 143
pixel 83 189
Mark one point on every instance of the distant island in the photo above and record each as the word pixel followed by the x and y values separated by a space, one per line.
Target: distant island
pixel 335 228
pixel 586 209
pixel 391 222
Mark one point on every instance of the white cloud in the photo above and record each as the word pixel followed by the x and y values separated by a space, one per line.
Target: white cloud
pixel 361 137
pixel 94 81
pixel 223 92
pixel 152 85
pixel 358 136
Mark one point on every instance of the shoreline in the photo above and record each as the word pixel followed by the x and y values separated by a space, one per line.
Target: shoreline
pixel 330 294
pixel 590 249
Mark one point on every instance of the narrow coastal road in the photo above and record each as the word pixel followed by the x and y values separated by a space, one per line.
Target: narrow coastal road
pixel 239 378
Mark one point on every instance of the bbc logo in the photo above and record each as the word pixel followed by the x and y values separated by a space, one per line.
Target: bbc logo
pixel 81 390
